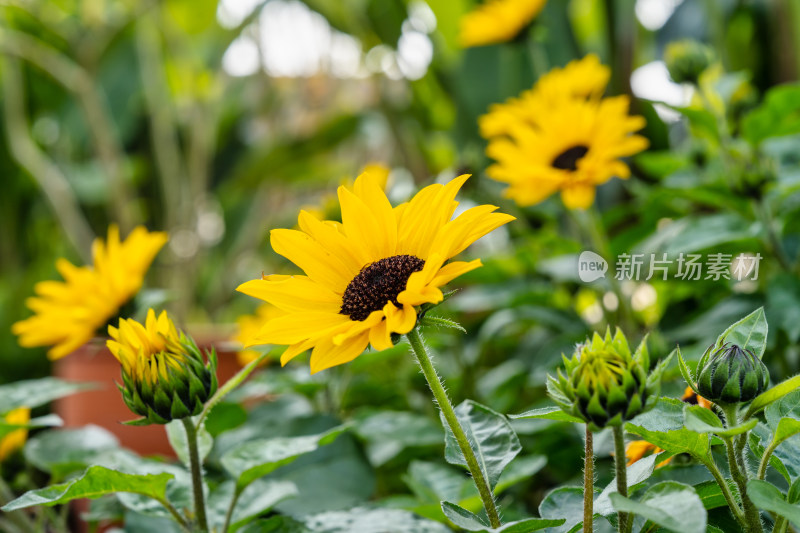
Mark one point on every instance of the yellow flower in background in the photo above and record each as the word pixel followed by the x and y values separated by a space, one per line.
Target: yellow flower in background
pixel 164 374
pixel 365 275
pixel 68 313
pixel 14 440
pixel 574 145
pixel 497 21
pixel 639 449
pixel 248 327
pixel 583 78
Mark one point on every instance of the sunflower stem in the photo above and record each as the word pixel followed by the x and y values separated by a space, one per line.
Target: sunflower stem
pixel 439 393
pixel 588 483
pixel 197 475
pixel 622 475
pixel 738 470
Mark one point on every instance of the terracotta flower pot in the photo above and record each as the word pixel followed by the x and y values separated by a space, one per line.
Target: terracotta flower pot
pixel 104 406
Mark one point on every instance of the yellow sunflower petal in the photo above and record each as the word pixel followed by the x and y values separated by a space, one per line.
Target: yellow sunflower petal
pixel 380 337
pixel 326 354
pixel 296 294
pixel 400 320
pixel 578 197
pixel 297 327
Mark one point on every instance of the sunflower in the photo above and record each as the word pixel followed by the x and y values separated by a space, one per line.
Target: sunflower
pixel 366 275
pixel 248 327
pixel 497 21
pixel 163 371
pixel 68 313
pixel 583 78
pixel 573 146
pixel 15 439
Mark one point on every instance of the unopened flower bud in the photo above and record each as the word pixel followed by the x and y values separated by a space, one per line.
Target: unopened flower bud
pixel 687 59
pixel 730 374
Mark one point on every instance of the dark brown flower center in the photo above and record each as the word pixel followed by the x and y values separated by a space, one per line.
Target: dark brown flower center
pixel 568 159
pixel 378 283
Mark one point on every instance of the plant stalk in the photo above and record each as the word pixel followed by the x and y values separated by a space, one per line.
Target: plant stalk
pixel 588 483
pixel 622 475
pixel 736 511
pixel 229 514
pixel 752 517
pixel 197 476
pixel 439 393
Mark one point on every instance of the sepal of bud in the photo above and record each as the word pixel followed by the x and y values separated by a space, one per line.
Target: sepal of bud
pixel 729 374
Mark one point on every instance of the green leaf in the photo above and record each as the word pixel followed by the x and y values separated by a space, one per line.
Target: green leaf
pixel 787 427
pixel 390 432
pixel 436 321
pixel 564 502
pixel 778 115
pixel 358 519
pixel 775 393
pixel 493 441
pixel 749 333
pixel 35 392
pixel 663 426
pixel 671 505
pixel 39 422
pixel 704 420
pixel 637 473
pixel 95 482
pixel 258 498
pixel 463 518
pixel 711 495
pixel 62 452
pixel 257 458
pixel 527 525
pixel 685 372
pixel 176 434
pixel 769 498
pixel 548 413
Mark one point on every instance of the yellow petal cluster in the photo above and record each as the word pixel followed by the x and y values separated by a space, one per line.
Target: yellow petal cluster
pixel 562 137
pixel 364 276
pixel 135 344
pixel 68 313
pixel 497 21
pixel 14 440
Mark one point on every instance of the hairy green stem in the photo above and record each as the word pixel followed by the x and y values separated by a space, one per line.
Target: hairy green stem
pixel 736 511
pixel 752 518
pixel 176 515
pixel 762 466
pixel 424 360
pixel 622 475
pixel 197 476
pixel 588 483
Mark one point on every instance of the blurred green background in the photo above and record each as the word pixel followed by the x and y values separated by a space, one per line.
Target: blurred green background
pixel 217 121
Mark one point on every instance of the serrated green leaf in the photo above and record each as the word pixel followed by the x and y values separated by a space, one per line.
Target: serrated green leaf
pixel 258 498
pixel 671 505
pixel 492 439
pixel 257 458
pixel 463 518
pixel 775 393
pixel 704 420
pixel 547 413
pixel 95 482
pixel 35 392
pixel 767 497
pixel 564 502
pixel 749 333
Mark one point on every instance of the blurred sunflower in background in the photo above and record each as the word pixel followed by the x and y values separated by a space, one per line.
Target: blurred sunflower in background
pixel 366 275
pixel 497 21
pixel 68 313
pixel 15 439
pixel 561 136
pixel 248 327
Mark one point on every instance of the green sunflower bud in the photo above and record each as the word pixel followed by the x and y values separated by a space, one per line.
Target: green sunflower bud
pixel 687 59
pixel 164 375
pixel 604 383
pixel 730 374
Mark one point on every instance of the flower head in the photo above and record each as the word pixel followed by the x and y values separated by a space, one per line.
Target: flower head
pixel 14 440
pixel 605 384
pixel 497 21
pixel 69 312
pixel 562 137
pixel 364 277
pixel 731 374
pixel 687 59
pixel 163 372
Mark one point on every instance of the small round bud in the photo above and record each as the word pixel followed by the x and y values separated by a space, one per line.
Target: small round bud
pixel 730 374
pixel 687 59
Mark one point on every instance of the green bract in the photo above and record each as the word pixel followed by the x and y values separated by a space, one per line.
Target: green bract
pixel 604 383
pixel 730 374
pixel 185 382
